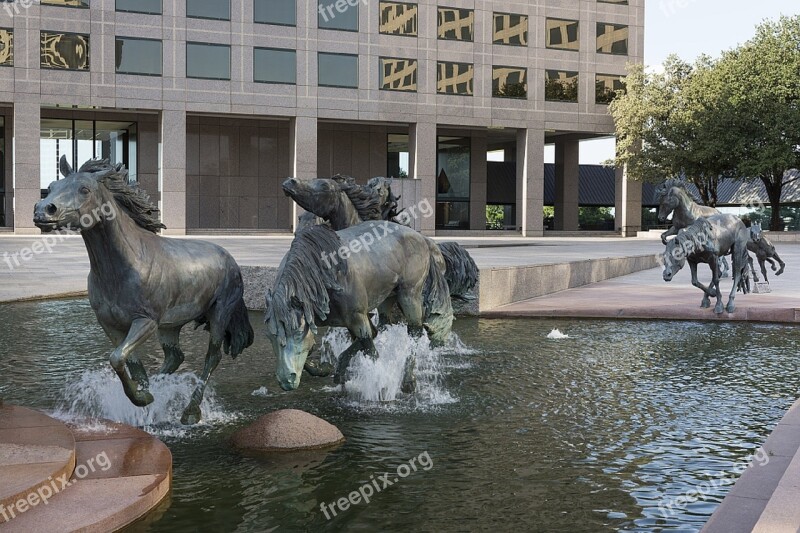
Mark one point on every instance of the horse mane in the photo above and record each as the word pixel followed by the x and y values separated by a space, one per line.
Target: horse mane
pixel 390 204
pixel 365 200
pixel 309 271
pixel 663 189
pixel 133 200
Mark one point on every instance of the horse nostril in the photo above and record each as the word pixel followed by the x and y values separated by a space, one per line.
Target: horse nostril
pixel 292 377
pixel 50 209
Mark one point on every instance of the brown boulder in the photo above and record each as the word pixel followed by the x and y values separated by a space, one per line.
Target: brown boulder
pixel 287 430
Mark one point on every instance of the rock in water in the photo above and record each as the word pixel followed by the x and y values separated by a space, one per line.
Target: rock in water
pixel 287 430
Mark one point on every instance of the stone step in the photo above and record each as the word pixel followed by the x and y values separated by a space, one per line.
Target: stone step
pixel 121 474
pixel 35 449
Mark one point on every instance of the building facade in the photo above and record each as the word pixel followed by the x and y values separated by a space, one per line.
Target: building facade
pixel 212 103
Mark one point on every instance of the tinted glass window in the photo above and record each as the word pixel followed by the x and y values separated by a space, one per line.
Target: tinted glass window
pixel 337 15
pixel 562 34
pixel 209 9
pixel 68 51
pixel 138 56
pixel 274 66
pixel 6 47
pixel 283 12
pixel 210 61
pixel 398 19
pixel 398 74
pixel 140 6
pixel 338 70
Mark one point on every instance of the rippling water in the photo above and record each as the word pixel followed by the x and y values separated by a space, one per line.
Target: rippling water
pixel 591 432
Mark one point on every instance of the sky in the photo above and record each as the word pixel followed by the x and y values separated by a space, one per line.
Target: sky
pixel 690 28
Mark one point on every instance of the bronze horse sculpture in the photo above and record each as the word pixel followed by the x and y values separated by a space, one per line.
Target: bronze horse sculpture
pixel 705 241
pixel 342 203
pixel 765 251
pixel 328 279
pixel 675 198
pixel 141 283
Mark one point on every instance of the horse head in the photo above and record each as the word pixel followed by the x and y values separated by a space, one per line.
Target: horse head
pixel 291 335
pixel 669 202
pixel 674 257
pixel 755 232
pixel 320 196
pixel 79 201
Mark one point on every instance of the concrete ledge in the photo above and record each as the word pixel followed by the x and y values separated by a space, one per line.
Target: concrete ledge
pixel 503 286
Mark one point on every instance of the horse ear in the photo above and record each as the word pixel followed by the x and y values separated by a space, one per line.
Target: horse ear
pixel 65 168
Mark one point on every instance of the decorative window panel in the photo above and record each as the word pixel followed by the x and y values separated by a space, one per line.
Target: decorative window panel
pixel 455 78
pixel 456 24
pixel 607 86
pixel 399 74
pixel 561 86
pixel 509 82
pixel 68 51
pixel 6 47
pixel 510 29
pixel 399 19
pixel 612 38
pixel 562 34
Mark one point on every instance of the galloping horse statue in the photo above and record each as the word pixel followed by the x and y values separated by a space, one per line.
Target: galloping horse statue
pixel 674 197
pixel 343 203
pixel 765 251
pixel 141 283
pixel 318 285
pixel 705 241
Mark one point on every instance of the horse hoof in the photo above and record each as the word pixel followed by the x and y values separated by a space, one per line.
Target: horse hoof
pixel 142 399
pixel 705 305
pixel 718 309
pixel 191 416
pixel 731 308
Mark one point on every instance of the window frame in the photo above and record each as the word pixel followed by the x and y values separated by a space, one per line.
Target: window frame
pixel 416 73
pixel 188 16
pixel 358 67
pixel 160 41
pixel 230 60
pixel 267 48
pixel 546 36
pixel 142 12
pixel 283 24
pixel 88 51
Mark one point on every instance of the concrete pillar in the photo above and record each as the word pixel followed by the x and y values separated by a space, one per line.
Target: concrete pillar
pixel 304 140
pixel 422 152
pixel 628 208
pixel 172 171
pixel 530 181
pixel 477 184
pixel 27 186
pixel 566 197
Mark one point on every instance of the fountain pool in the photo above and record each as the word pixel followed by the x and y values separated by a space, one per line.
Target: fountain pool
pixel 588 432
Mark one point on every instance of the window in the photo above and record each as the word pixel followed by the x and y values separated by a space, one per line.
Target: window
pixel 607 86
pixel 620 2
pixel 337 70
pixel 151 7
pixel 510 29
pixel 509 82
pixel 397 155
pixel 453 182
pixel 337 15
pixel 398 19
pixel 274 65
pixel 562 34
pixel 561 86
pixel 208 61
pixel 66 3
pixel 3 210
pixel 6 47
pixel 454 78
pixel 612 39
pixel 280 12
pixel 456 24
pixel 69 51
pixel 398 74
pixel 138 56
pixel 209 9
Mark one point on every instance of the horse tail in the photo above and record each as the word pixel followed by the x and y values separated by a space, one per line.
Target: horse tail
pixel 461 271
pixel 238 333
pixel 438 311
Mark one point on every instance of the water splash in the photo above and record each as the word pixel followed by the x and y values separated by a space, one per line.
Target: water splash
pixel 263 392
pixel 556 334
pixel 380 380
pixel 98 394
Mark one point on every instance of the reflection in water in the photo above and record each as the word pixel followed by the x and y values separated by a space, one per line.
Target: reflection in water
pixel 590 433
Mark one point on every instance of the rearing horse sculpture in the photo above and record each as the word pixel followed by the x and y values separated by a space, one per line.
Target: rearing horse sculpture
pixel 675 198
pixel 765 251
pixel 141 283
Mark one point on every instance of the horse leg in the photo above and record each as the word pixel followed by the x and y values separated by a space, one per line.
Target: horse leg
pixel 362 331
pixel 139 331
pixel 386 311
pixel 135 367
pixel 780 262
pixel 718 308
pixel 737 280
pixel 752 268
pixel 706 290
pixel 724 268
pixel 191 415
pixel 762 262
pixel 411 305
pixel 173 356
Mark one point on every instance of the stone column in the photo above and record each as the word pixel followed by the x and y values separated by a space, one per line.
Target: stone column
pixel 172 171
pixel 27 186
pixel 566 197
pixel 628 217
pixel 304 136
pixel 477 184
pixel 422 150
pixel 530 181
